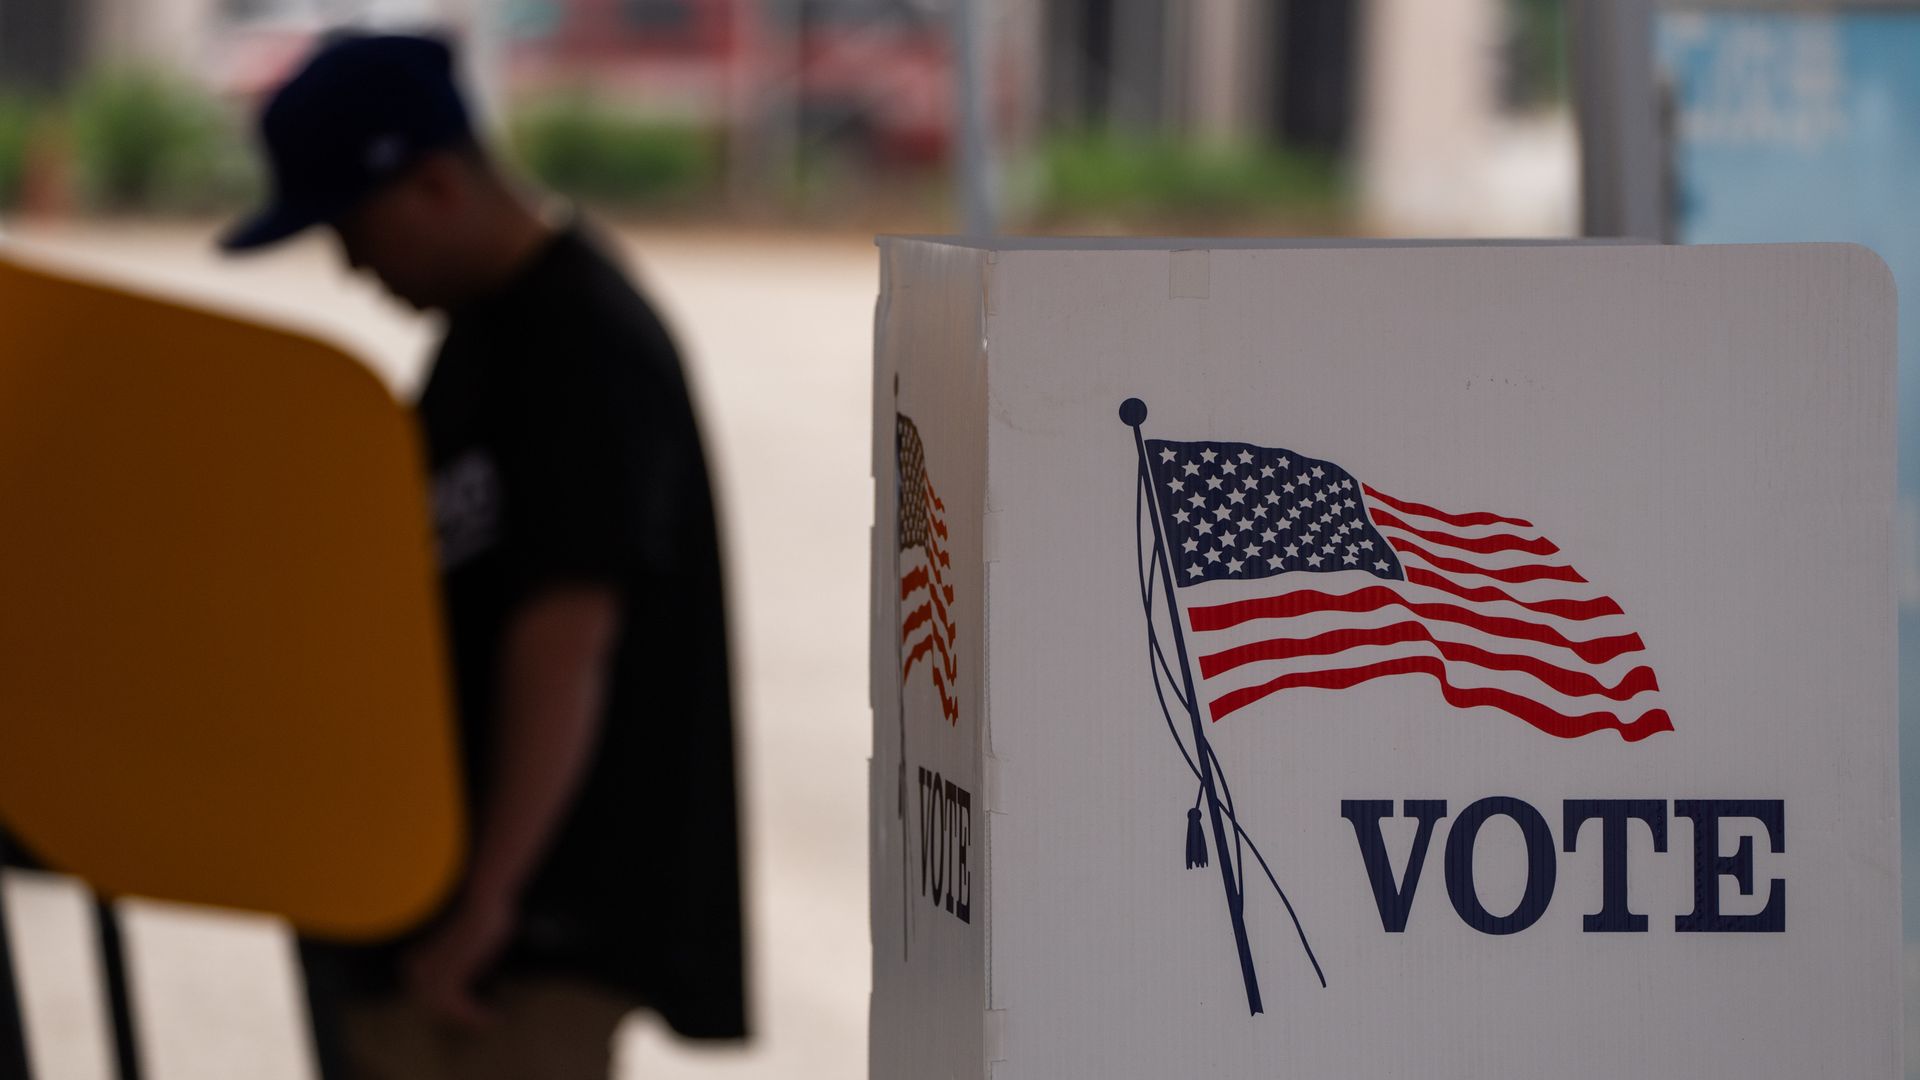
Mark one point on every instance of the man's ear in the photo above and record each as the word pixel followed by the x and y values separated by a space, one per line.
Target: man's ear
pixel 443 179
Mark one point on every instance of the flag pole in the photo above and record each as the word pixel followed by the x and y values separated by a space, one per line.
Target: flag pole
pixel 900 698
pixel 1133 413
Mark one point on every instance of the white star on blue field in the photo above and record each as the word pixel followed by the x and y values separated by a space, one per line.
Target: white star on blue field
pixel 1240 512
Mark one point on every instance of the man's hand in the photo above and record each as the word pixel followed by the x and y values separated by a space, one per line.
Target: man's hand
pixel 441 970
pixel 553 684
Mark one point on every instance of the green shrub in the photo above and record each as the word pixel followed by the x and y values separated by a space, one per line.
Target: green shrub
pixel 1165 178
pixel 581 148
pixel 143 140
pixel 18 121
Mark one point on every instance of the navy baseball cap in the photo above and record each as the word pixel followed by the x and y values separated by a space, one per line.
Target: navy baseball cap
pixel 361 110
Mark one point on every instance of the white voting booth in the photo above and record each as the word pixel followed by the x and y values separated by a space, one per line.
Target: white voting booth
pixel 1367 661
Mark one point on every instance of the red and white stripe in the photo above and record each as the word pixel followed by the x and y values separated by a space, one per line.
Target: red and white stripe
pixel 926 600
pixel 1491 611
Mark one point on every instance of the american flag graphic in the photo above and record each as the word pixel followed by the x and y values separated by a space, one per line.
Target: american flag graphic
pixel 1293 573
pixel 927 632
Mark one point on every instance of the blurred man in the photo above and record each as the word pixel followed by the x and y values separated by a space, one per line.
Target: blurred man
pixel 582 583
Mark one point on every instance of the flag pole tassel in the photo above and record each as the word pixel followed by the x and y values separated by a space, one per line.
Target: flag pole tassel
pixel 1196 841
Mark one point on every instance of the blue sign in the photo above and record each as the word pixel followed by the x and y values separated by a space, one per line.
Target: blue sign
pixel 1797 126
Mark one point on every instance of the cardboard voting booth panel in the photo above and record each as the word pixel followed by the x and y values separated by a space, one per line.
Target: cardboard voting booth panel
pixel 1444 661
pixel 221 670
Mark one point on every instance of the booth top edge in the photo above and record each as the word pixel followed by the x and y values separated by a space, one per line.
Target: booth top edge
pixel 1219 243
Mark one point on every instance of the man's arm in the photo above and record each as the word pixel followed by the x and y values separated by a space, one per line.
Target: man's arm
pixel 553 684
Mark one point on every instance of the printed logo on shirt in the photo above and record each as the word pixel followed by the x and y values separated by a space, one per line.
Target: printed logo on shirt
pixel 466 507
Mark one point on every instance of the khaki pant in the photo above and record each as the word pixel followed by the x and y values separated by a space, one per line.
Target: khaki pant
pixel 545 1028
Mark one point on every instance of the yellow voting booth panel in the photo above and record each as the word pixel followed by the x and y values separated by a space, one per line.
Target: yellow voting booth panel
pixel 222 678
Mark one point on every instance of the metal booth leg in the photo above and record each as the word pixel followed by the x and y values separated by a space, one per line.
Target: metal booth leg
pixel 113 959
pixel 13 1029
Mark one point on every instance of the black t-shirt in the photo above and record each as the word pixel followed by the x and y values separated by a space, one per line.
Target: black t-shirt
pixel 564 450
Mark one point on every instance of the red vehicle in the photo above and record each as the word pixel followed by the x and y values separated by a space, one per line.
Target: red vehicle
pixel 874 76
pixel 870 77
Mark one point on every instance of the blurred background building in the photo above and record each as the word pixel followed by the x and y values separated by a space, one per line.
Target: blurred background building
pixel 1267 115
